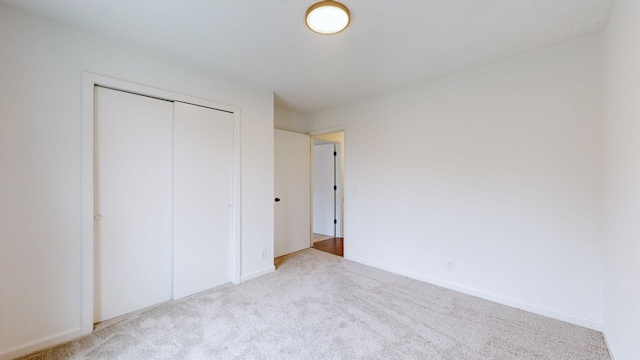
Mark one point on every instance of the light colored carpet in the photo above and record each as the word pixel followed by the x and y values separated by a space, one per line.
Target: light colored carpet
pixel 320 306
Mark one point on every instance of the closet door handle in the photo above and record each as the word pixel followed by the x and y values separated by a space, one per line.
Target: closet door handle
pixel 277 199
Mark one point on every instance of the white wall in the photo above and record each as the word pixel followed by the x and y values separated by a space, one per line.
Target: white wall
pixel 41 63
pixel 622 181
pixel 497 168
pixel 290 121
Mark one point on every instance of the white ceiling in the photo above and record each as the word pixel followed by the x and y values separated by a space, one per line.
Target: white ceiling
pixel 389 44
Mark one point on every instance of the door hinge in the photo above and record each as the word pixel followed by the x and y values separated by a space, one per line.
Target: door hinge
pixel 335 187
pixel 335 153
pixel 335 221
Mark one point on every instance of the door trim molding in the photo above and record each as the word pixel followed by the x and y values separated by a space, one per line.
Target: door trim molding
pixel 317 133
pixel 89 81
pixel 329 130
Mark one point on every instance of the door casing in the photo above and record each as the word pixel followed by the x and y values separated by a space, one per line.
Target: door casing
pixel 343 181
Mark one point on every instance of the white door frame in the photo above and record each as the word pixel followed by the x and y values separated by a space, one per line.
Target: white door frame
pixel 314 134
pixel 89 81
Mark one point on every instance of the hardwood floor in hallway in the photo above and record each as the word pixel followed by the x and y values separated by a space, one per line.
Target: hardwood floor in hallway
pixel 333 246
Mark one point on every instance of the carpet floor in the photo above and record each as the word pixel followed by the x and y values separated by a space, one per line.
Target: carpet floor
pixel 320 306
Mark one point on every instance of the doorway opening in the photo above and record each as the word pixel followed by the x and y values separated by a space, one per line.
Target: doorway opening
pixel 327 179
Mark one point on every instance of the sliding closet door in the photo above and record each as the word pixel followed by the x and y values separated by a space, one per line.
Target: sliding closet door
pixel 133 187
pixel 203 176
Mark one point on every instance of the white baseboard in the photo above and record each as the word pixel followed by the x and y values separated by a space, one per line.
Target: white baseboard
pixel 573 319
pixel 606 342
pixel 40 344
pixel 255 274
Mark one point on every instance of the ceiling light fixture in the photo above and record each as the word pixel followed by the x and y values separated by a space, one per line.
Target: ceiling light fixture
pixel 327 17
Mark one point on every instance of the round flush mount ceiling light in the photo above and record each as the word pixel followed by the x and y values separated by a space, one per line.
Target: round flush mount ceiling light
pixel 327 17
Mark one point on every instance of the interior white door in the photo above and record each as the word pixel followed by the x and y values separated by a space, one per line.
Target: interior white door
pixel 339 203
pixel 324 195
pixel 292 188
pixel 133 186
pixel 203 180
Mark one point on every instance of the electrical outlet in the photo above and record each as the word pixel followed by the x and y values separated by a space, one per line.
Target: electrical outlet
pixel 449 265
pixel 263 254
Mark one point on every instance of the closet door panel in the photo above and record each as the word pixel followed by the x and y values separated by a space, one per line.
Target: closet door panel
pixel 133 202
pixel 203 176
